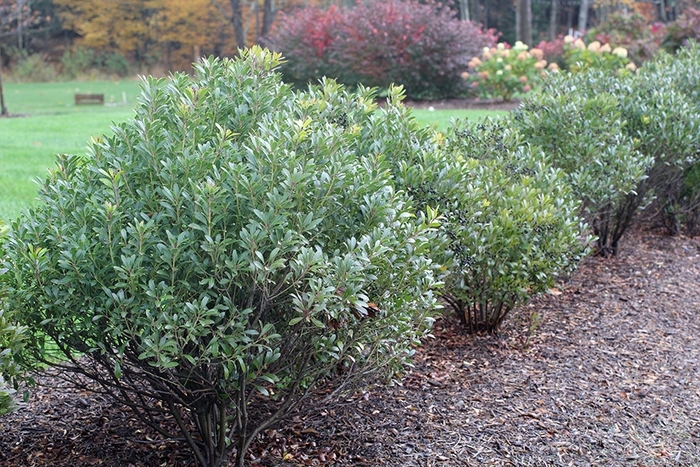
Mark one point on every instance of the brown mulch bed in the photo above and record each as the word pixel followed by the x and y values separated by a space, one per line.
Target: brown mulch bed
pixel 610 377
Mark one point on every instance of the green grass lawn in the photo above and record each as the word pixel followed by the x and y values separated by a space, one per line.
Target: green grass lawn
pixel 441 119
pixel 50 123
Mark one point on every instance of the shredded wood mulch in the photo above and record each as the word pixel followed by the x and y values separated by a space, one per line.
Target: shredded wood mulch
pixel 604 370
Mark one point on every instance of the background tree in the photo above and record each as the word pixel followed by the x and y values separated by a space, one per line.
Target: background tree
pixel 553 17
pixel 583 15
pixel 190 29
pixel 15 16
pixel 129 27
pixel 523 21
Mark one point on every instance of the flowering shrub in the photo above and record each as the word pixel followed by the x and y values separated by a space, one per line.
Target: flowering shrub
pixel 420 46
pixel 503 72
pixel 578 56
pixel 631 31
pixel 511 223
pixel 553 51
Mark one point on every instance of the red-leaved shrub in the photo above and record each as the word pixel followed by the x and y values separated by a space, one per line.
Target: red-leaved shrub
pixel 306 37
pixel 685 28
pixel 424 47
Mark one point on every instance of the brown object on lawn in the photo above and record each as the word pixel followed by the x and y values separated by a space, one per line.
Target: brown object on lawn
pixel 98 99
pixel 610 377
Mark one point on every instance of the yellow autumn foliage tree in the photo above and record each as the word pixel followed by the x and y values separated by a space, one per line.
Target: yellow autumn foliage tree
pixel 171 33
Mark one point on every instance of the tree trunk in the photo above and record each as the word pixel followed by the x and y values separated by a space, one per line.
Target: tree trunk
pixel 268 18
pixel 662 11
pixel 553 17
pixel 464 10
pixel 523 21
pixel 237 22
pixel 20 19
pixel 583 15
pixel 235 18
pixel 3 109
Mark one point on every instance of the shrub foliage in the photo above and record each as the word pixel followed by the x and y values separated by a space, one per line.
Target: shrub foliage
pixel 11 343
pixel 680 202
pixel 224 252
pixel 660 121
pixel 421 46
pixel 585 138
pixel 503 72
pixel 511 224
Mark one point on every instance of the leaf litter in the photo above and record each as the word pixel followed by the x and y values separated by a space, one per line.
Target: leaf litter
pixel 602 371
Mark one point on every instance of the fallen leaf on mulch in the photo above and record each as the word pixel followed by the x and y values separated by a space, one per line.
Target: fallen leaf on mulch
pixel 611 376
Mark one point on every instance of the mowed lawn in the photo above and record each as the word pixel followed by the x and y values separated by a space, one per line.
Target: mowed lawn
pixel 48 122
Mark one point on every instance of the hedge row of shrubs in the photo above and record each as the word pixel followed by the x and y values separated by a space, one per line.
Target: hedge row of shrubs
pixel 239 243
pixel 626 142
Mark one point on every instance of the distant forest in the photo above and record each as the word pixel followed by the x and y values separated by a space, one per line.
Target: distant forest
pixel 167 35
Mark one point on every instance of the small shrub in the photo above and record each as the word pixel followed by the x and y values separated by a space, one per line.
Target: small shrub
pixel 225 252
pixel 661 122
pixel 423 47
pixel 86 62
pixel 586 138
pixel 115 64
pixel 78 62
pixel 511 224
pixel 7 404
pixel 308 39
pixel 680 204
pixel 631 31
pixel 553 51
pixel 578 57
pixel 681 31
pixel 684 207
pixel 377 43
pixel 502 72
pixel 11 344
pixel 33 69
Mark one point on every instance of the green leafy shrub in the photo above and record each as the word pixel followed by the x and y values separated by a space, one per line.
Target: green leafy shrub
pixel 11 343
pixel 32 68
pixel 680 204
pixel 87 62
pixel 225 252
pixel 116 64
pixel 502 72
pixel 659 119
pixel 681 69
pixel 78 62
pixel 683 210
pixel 511 224
pixel 586 138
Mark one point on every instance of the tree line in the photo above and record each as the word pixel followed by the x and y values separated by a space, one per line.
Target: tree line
pixel 170 34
